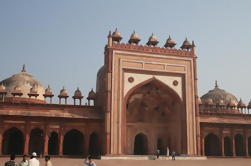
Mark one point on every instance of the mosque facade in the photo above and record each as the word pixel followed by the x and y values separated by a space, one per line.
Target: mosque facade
pixel 146 98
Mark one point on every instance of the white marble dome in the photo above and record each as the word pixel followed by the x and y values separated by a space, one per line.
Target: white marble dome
pixel 24 82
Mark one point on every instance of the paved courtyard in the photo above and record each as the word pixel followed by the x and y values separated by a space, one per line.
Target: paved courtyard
pixel 208 162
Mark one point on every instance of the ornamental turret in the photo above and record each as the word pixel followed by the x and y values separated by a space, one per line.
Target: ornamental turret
pixel 3 92
pixel 91 96
pixel 33 91
pixel 169 43
pixel 116 36
pixel 186 45
pixel 152 41
pixel 134 39
pixel 48 93
pixel 77 95
pixel 63 94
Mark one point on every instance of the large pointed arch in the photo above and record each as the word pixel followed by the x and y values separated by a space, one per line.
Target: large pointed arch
pixel 166 108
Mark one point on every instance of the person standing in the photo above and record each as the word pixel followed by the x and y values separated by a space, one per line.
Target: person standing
pixel 24 162
pixel 157 153
pixel 48 161
pixel 89 162
pixel 12 161
pixel 173 155
pixel 167 152
pixel 33 161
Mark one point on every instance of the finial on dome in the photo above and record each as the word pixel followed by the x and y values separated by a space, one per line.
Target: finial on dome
pixel 216 84
pixel 23 68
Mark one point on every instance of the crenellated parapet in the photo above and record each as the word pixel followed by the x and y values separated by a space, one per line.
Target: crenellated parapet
pixel 151 46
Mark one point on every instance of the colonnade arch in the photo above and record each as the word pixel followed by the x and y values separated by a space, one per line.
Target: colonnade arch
pixel 36 143
pixel 239 145
pixel 53 144
pixel 212 145
pixel 13 142
pixel 228 146
pixel 73 143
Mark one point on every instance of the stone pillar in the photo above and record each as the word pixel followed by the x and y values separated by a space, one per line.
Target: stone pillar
pixel 246 143
pixel 61 140
pixel 26 144
pixel 202 147
pixel 222 145
pixel 233 145
pixel 27 138
pixel 46 141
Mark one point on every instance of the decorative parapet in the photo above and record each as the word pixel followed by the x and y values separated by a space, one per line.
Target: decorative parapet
pixel 150 49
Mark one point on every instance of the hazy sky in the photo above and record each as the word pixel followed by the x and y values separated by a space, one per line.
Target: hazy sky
pixel 62 41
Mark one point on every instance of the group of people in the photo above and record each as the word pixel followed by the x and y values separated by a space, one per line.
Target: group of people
pixel 33 161
pixel 158 154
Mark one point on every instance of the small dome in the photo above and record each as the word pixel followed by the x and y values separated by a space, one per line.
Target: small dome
pixel 48 91
pixel 186 45
pixel 218 94
pixel 33 89
pixel 134 38
pixel 116 36
pixel 22 82
pixel 77 93
pixel 169 43
pixel 63 92
pixel 249 105
pixel 241 104
pixel 91 95
pixel 152 41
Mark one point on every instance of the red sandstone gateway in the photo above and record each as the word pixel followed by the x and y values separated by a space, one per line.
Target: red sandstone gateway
pixel 146 99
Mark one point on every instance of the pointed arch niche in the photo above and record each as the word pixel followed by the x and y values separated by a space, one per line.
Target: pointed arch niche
pixel 153 107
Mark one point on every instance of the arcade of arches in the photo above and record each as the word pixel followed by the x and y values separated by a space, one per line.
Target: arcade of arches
pixel 73 142
pixel 153 111
pixel 232 141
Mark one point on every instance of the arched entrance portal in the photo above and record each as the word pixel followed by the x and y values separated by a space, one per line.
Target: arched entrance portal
pixel 155 107
pixel 53 144
pixel 36 141
pixel 228 146
pixel 239 146
pixel 212 145
pixel 73 143
pixel 94 145
pixel 140 144
pixel 13 142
